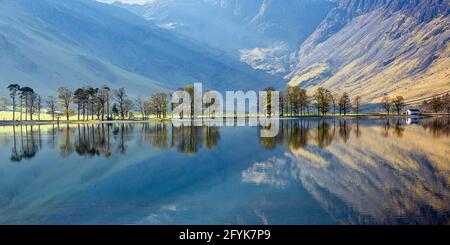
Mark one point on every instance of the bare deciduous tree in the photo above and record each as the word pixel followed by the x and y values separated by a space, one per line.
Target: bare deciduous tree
pixel 436 104
pixel 51 104
pixel 399 104
pixel 322 97
pixel 120 96
pixel 141 104
pixel 14 89
pixel 386 103
pixel 344 104
pixel 446 103
pixel 357 103
pixel 127 108
pixel 158 104
pixel 65 97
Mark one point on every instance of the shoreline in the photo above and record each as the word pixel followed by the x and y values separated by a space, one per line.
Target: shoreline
pixel 308 117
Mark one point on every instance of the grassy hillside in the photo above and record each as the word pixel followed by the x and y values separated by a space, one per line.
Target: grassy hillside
pixel 381 52
pixel 33 53
pixel 49 43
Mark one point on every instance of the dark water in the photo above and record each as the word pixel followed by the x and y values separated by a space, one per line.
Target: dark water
pixel 314 172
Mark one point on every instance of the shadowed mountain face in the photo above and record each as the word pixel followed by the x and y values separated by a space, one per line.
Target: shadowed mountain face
pixel 261 32
pixel 380 47
pixel 36 53
pixel 49 43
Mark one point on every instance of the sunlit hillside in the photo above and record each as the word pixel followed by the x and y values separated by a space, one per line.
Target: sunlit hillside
pixel 379 50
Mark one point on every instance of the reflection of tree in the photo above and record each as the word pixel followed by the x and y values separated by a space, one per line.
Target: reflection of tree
pixel 107 148
pixel 344 130
pixel 324 136
pixel 212 137
pixel 28 145
pixel 399 128
pixel 187 139
pixel 93 140
pixel 297 134
pixel 271 143
pixel 39 136
pixel 53 138
pixel 292 132
pixel 82 144
pixel 123 135
pixel 268 143
pixel 15 156
pixel 438 126
pixel 144 133
pixel 387 126
pixel 159 136
pixel 102 140
pixel 98 139
pixel 358 130
pixel 121 147
pixel 86 143
pixel 65 147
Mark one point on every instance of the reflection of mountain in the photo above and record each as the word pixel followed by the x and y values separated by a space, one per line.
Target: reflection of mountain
pixel 316 173
pixel 403 180
pixel 148 185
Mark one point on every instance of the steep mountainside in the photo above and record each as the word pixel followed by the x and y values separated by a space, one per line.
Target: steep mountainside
pixel 260 32
pixel 379 47
pixel 34 53
pixel 368 47
pixel 48 43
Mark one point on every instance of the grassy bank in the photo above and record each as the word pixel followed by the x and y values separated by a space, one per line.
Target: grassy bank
pixel 6 118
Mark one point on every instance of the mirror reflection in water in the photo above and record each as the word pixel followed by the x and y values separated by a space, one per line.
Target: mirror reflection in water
pixel 372 171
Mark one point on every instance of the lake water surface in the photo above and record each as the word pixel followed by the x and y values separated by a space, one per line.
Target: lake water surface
pixel 394 171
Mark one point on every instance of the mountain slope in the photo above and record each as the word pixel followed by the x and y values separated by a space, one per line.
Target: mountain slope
pixel 261 32
pixel 49 43
pixel 377 48
pixel 33 53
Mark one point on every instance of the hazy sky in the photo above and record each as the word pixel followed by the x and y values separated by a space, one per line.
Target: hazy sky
pixel 125 1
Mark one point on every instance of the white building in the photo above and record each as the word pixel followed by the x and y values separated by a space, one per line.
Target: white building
pixel 413 112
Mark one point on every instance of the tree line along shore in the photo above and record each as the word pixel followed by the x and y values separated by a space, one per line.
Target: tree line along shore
pixel 106 104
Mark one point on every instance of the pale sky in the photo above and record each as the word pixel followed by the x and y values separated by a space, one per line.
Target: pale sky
pixel 126 1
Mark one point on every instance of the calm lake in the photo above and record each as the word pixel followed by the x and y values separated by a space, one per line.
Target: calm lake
pixel 373 171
